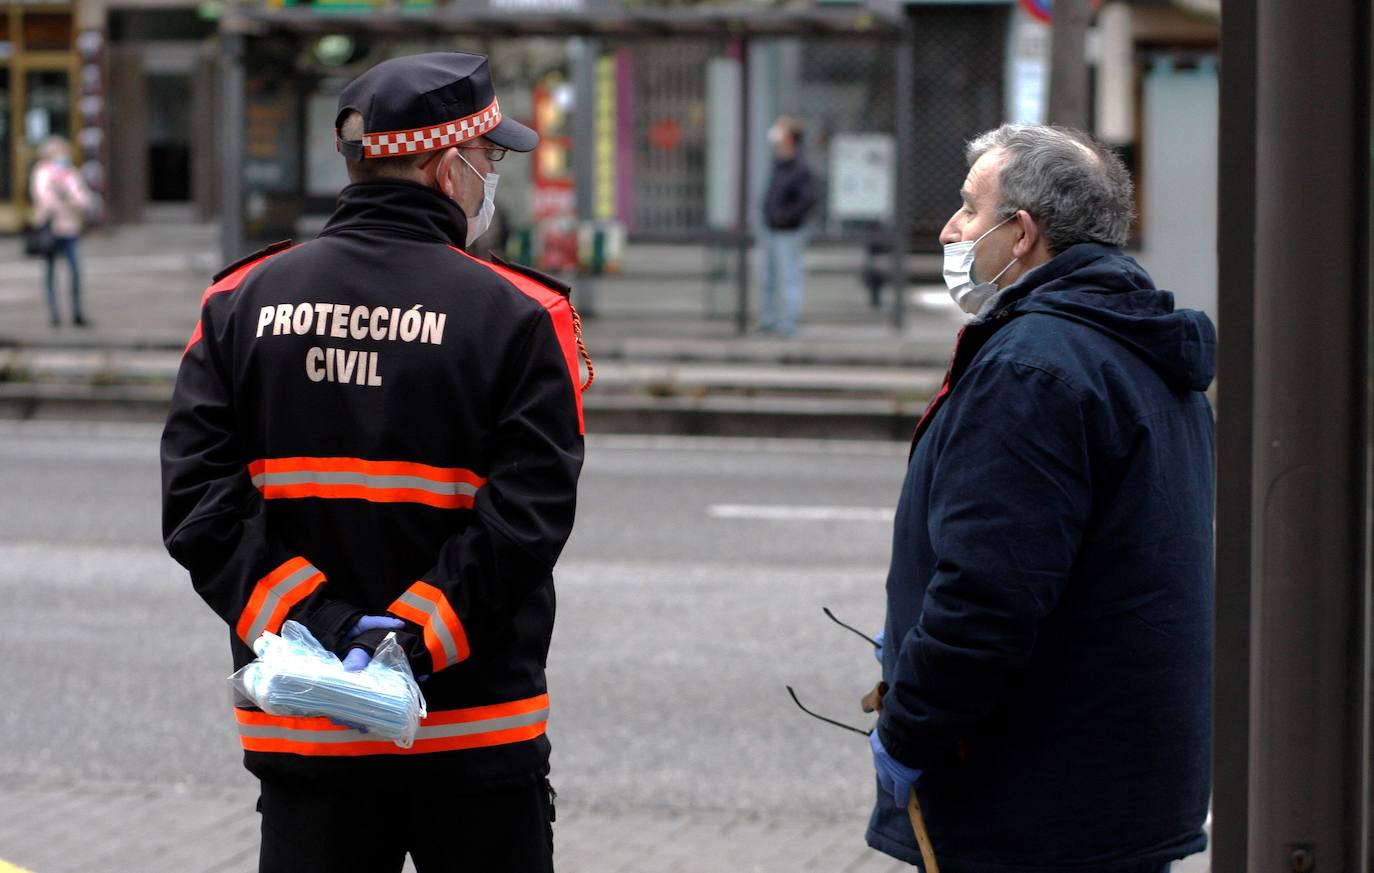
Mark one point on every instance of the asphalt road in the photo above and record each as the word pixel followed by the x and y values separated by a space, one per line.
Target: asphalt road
pixel 689 595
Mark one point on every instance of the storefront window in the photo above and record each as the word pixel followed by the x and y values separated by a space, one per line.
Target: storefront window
pixel 48 105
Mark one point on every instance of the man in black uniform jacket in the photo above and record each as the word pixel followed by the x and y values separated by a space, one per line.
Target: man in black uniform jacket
pixel 376 432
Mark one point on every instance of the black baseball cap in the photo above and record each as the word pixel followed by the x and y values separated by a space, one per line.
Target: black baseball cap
pixel 422 103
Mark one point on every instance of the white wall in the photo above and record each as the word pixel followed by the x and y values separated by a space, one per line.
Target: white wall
pixel 1179 193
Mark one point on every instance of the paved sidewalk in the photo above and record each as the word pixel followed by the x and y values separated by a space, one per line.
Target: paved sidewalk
pixel 48 828
pixel 93 828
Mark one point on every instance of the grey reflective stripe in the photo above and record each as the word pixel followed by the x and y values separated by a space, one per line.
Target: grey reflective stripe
pixel 274 596
pixel 367 480
pixel 436 624
pixel 426 732
pixel 467 728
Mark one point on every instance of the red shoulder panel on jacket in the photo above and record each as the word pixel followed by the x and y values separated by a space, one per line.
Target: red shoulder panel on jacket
pixel 231 277
pixel 259 255
pixel 563 327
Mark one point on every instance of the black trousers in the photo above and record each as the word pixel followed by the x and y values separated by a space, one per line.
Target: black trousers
pixel 315 830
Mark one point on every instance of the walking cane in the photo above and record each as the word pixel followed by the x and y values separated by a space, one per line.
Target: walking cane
pixel 873 702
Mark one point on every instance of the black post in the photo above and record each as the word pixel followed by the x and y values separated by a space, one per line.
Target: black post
pixel 742 203
pixel 1235 427
pixel 232 84
pixel 585 54
pixel 1309 633
pixel 906 135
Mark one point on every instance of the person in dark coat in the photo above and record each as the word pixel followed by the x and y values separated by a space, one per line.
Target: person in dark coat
pixel 1047 645
pixel 790 199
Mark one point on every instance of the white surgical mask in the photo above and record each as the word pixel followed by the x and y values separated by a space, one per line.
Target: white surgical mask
pixel 478 224
pixel 969 293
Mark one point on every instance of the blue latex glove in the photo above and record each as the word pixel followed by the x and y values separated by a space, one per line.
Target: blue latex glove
pixel 881 640
pixel 357 658
pixel 893 775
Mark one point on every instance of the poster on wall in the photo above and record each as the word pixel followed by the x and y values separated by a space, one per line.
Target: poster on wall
pixel 271 162
pixel 862 175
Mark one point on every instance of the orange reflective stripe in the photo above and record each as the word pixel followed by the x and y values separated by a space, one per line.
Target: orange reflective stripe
pixel 360 479
pixel 443 731
pixel 359 465
pixel 420 617
pixel 274 595
pixel 494 710
pixel 445 615
pixel 427 606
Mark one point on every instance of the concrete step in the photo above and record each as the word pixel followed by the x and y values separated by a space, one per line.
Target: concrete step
pixel 630 396
pixel 108 367
pixel 712 415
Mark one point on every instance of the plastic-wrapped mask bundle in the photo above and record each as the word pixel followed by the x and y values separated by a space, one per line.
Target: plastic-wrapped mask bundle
pixel 295 675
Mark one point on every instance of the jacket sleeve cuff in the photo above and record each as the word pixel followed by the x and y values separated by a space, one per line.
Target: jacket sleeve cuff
pixel 442 641
pixel 369 641
pixel 329 621
pixel 899 748
pixel 275 596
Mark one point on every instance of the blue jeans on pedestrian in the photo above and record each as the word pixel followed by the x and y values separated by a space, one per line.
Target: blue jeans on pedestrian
pixel 66 247
pixel 782 279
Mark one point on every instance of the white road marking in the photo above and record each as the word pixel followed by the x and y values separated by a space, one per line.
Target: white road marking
pixel 801 513
pixel 769 445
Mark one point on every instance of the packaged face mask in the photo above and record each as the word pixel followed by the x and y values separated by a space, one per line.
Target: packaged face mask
pixel 295 675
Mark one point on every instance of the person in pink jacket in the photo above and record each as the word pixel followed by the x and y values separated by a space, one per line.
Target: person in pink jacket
pixel 60 196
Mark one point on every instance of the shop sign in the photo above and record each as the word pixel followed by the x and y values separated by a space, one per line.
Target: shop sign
pixel 271 150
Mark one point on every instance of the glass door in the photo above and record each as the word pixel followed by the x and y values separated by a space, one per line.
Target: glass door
pixel 38 78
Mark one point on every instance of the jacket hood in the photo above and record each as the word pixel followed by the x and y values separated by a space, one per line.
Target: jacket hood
pixel 1101 287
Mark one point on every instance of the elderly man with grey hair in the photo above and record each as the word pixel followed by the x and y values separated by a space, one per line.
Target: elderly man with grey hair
pixel 1047 646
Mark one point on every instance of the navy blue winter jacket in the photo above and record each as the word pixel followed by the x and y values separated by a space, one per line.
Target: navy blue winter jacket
pixel 791 194
pixel 1049 602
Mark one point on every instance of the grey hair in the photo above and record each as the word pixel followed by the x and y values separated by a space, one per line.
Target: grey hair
pixel 1076 190
pixel 373 169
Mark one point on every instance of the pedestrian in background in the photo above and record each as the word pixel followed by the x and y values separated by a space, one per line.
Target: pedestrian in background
pixel 790 199
pixel 60 199
pixel 1049 600
pixel 376 432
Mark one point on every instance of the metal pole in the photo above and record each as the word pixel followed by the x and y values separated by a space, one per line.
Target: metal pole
pixel 585 52
pixel 906 135
pixel 1235 414
pixel 1069 64
pixel 742 202
pixel 1308 794
pixel 232 84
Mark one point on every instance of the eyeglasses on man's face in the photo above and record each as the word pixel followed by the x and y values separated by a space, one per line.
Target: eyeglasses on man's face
pixel 494 153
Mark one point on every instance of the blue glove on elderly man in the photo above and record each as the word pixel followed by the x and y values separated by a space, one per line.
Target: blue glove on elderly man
pixel 893 775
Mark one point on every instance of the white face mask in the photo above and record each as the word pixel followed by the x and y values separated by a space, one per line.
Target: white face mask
pixel 478 224
pixel 969 293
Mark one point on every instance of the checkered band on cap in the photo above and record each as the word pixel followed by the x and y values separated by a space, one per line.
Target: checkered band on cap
pixel 427 139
